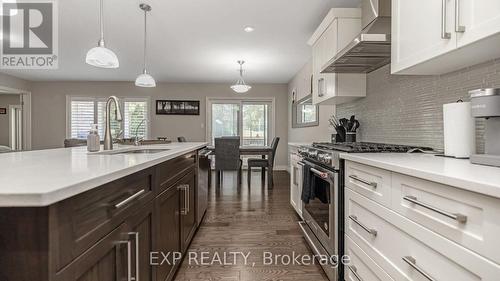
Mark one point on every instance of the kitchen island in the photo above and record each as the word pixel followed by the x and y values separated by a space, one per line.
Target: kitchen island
pixel 67 214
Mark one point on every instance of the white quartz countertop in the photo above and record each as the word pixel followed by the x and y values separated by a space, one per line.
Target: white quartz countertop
pixel 454 172
pixel 43 177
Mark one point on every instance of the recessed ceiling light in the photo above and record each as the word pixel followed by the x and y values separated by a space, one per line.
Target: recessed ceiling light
pixel 249 29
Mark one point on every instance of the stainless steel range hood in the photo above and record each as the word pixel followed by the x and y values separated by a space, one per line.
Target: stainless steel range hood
pixel 371 49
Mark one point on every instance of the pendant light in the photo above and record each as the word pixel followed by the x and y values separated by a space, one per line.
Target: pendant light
pixel 144 79
pixel 240 87
pixel 101 56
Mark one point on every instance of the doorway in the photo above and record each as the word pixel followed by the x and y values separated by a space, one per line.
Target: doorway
pixel 15 120
pixel 10 121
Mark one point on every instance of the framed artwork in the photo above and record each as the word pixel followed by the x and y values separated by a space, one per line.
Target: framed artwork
pixel 3 110
pixel 177 107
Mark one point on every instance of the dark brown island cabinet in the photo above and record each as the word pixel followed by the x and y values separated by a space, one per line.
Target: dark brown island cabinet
pixel 134 228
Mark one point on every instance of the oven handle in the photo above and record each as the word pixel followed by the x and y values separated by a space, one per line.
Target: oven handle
pixel 321 174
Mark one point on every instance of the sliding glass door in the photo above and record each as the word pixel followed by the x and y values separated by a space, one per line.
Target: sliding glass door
pixel 255 124
pixel 225 120
pixel 249 119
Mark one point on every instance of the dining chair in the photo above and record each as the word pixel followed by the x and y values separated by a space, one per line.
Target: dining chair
pixel 263 163
pixel 227 156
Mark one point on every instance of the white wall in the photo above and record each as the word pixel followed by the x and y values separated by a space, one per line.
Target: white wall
pixel 49 108
pixel 301 82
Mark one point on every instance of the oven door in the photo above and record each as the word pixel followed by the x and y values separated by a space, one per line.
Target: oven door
pixel 321 212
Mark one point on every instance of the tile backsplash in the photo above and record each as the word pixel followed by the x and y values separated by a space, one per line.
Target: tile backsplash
pixel 404 109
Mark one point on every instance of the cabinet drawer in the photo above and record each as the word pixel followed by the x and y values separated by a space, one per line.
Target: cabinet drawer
pixel 79 222
pixel 408 251
pixel 173 170
pixel 369 181
pixel 361 266
pixel 470 219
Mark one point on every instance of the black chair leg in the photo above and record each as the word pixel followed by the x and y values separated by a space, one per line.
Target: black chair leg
pixel 249 176
pixel 263 174
pixel 239 175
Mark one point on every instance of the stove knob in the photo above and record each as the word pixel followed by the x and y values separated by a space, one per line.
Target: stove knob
pixel 313 154
pixel 327 159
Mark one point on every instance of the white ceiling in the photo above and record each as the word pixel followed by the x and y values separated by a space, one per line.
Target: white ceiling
pixel 189 40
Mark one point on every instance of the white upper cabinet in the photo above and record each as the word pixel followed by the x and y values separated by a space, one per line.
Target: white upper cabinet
pixel 479 19
pixel 416 32
pixel 338 28
pixel 432 37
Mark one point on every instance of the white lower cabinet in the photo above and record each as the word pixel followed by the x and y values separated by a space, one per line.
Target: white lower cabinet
pixel 296 183
pixel 361 267
pixel 372 182
pixel 406 250
pixel 467 218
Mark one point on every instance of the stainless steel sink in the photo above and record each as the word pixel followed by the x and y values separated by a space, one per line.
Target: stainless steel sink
pixel 144 151
pixel 132 151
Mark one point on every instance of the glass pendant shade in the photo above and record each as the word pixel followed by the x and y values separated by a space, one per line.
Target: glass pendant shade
pixel 240 87
pixel 103 57
pixel 145 80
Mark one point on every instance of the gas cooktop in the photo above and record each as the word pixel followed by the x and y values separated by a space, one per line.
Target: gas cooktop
pixel 358 147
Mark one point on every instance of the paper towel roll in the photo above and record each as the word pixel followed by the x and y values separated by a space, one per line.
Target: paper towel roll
pixel 459 130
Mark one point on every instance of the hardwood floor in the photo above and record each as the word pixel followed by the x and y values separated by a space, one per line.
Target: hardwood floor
pixel 251 221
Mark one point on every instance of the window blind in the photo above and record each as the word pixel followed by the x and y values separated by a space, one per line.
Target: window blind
pixel 135 119
pixel 87 111
pixel 82 117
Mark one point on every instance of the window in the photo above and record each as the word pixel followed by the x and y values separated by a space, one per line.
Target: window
pixel 304 113
pixel 247 118
pixel 83 112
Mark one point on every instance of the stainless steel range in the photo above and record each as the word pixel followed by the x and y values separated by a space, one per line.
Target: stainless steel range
pixel 323 198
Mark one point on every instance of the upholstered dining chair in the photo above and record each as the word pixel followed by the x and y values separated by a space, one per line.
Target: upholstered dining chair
pixel 227 156
pixel 263 163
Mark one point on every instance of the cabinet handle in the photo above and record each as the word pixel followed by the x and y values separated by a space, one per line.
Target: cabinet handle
pixel 444 33
pixel 321 87
pixel 356 178
pixel 366 228
pixel 354 271
pixel 185 189
pixel 129 259
pixel 126 201
pixel 458 217
pixel 413 263
pixel 458 27
pixel 137 269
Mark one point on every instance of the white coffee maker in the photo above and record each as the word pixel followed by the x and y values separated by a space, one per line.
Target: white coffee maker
pixel 485 103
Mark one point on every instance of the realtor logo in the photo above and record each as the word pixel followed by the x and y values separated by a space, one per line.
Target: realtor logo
pixel 29 32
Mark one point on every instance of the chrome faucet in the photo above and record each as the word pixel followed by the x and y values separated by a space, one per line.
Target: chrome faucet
pixel 108 139
pixel 137 141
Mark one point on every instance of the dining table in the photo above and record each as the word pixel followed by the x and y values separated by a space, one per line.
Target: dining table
pixel 264 151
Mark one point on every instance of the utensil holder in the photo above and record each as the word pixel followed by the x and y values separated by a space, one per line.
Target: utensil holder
pixel 350 137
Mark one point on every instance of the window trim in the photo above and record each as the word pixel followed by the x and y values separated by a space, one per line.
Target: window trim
pixel 239 100
pixel 122 100
pixel 295 114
